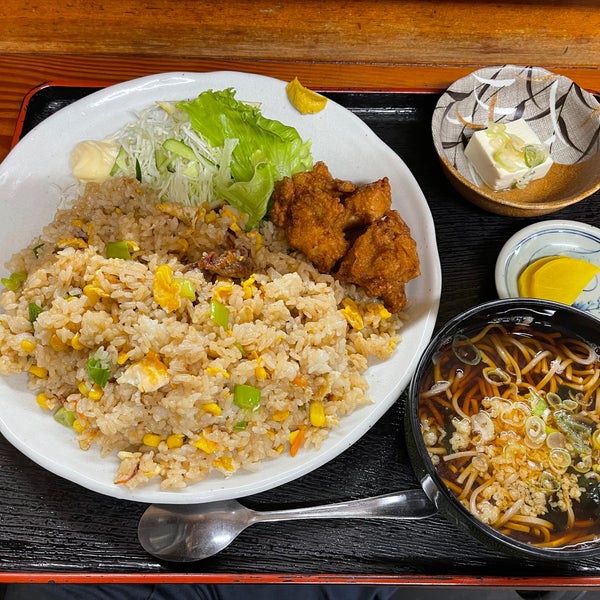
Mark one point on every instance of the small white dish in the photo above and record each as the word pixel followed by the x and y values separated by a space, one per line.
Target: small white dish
pixel 550 238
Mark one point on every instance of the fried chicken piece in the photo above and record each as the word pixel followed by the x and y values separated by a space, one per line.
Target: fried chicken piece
pixel 322 215
pixel 382 260
pixel 367 204
pixel 320 178
pixel 309 208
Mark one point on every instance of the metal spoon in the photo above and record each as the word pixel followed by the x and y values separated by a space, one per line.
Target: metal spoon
pixel 190 532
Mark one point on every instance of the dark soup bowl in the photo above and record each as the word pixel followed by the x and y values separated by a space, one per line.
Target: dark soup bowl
pixel 503 426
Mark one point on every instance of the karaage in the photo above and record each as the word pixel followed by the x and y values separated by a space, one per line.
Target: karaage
pixel 348 230
pixel 382 260
pixel 309 208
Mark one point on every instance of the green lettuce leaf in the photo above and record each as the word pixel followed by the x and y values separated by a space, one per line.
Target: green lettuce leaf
pixel 262 151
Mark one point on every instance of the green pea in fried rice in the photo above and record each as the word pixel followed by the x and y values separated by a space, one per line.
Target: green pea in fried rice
pixel 179 372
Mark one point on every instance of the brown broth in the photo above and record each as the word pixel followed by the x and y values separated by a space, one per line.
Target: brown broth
pixel 511 419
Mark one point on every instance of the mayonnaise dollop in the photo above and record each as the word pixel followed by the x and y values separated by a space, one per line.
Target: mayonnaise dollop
pixel 93 160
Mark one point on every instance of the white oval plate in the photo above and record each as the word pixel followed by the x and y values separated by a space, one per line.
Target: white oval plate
pixel 550 238
pixel 37 169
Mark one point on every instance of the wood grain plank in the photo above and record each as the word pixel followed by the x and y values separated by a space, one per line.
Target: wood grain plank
pixel 387 31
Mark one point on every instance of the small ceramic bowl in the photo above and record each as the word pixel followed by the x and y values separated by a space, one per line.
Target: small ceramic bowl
pixel 564 117
pixel 550 238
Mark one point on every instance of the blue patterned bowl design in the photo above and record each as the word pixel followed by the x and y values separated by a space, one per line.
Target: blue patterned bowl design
pixel 550 238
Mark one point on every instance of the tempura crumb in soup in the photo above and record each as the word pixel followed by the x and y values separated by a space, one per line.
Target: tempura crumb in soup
pixel 127 342
pixel 510 417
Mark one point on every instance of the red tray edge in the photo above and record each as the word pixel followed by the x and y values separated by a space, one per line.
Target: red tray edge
pixel 520 583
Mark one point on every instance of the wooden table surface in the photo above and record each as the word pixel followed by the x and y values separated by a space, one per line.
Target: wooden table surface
pixel 330 44
pixel 335 44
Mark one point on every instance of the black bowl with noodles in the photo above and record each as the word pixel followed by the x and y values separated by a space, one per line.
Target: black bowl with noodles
pixel 503 426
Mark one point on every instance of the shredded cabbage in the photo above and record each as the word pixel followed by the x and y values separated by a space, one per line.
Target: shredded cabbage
pixel 210 149
pixel 178 179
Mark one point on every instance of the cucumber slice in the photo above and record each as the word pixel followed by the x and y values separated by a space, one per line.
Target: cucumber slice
pixel 161 159
pixel 180 148
pixel 121 162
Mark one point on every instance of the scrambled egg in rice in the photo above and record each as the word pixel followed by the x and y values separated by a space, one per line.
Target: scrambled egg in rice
pixel 130 342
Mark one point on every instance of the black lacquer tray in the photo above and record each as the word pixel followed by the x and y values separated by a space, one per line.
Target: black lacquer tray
pixel 51 525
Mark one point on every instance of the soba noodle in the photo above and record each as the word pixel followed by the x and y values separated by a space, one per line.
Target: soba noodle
pixel 511 419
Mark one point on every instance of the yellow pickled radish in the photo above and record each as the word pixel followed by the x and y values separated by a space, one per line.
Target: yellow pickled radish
pixel 304 99
pixel 558 278
pixel 524 280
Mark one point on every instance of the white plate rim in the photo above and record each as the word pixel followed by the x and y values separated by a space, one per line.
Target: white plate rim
pixel 18 177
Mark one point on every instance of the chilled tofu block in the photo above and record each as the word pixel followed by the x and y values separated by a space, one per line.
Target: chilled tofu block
pixel 507 155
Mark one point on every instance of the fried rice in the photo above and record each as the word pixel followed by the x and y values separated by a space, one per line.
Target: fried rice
pixel 169 408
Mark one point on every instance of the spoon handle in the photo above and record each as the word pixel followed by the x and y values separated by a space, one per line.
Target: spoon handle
pixel 409 504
